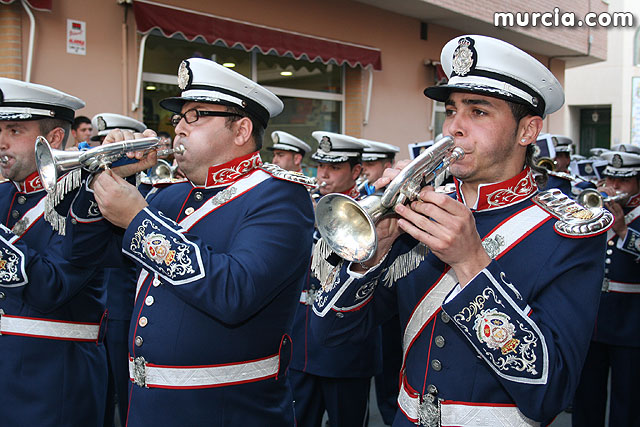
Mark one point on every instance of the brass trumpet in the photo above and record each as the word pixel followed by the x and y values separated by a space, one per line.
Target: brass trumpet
pixel 53 163
pixel 591 198
pixel 348 227
pixel 547 163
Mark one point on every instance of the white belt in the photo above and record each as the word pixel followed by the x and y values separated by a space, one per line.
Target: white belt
pixel 627 288
pixel 308 296
pixel 46 328
pixel 433 412
pixel 149 375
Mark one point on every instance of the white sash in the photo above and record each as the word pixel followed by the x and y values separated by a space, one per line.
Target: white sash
pixel 28 219
pixel 230 193
pixel 510 232
pixel 628 219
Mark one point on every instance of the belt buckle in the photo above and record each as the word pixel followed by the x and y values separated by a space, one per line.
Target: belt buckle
pixel 140 371
pixel 429 411
pixel 605 285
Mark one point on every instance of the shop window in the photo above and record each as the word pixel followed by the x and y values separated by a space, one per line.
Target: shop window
pixel 312 92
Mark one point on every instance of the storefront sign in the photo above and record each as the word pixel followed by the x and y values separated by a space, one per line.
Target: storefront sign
pixel 76 37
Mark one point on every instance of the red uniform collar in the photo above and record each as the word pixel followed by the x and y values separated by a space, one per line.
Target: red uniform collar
pixel 506 193
pixel 31 184
pixel 230 172
pixel 352 192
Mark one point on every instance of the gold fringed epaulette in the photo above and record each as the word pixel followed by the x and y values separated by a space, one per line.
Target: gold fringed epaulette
pixel 320 267
pixel 279 173
pixel 574 220
pixel 405 264
pixel 64 186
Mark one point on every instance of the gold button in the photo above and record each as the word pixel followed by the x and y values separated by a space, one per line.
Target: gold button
pixel 440 341
pixel 198 196
pixel 139 341
pixel 15 214
pixel 189 211
pixel 149 300
pixel 610 243
pixel 156 283
pixel 22 200
pixel 143 322
pixel 436 365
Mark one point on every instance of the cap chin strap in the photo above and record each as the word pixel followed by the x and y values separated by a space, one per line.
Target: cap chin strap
pixel 27 110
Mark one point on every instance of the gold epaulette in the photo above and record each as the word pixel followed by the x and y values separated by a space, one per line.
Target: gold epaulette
pixel 279 173
pixel 574 220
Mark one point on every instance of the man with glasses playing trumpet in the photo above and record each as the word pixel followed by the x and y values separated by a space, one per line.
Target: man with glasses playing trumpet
pixel 52 314
pixel 496 285
pixel 220 260
pixel 615 344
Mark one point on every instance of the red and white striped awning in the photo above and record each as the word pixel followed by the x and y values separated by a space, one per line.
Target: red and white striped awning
pixel 172 20
pixel 44 5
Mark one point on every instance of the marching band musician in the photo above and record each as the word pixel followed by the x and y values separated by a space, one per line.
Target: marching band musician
pixel 335 379
pixel 615 344
pixel 497 294
pixel 120 294
pixel 288 151
pixel 220 257
pixel 377 157
pixel 52 314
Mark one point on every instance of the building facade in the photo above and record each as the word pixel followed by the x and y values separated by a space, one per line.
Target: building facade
pixel 357 67
pixel 603 99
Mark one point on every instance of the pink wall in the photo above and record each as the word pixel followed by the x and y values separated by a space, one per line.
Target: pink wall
pixel 400 113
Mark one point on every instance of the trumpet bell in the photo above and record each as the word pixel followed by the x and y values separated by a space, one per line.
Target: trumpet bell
pixel 348 226
pixel 51 163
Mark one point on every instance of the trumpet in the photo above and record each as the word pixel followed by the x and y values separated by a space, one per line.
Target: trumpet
pixel 361 183
pixel 546 163
pixel 348 227
pixel 163 170
pixel 591 198
pixel 52 163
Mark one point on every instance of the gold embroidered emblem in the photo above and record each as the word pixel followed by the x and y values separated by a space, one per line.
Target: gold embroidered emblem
pixel 158 248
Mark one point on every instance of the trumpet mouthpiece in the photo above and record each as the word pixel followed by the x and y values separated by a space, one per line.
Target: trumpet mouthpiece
pixel 4 159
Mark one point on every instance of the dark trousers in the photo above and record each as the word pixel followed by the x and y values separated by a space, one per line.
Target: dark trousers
pixel 346 400
pixel 387 382
pixel 590 401
pixel 117 355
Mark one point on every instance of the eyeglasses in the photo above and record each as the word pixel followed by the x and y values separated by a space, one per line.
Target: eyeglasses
pixel 191 116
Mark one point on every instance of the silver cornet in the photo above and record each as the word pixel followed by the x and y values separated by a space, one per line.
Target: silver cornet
pixel 591 198
pixel 348 227
pixel 52 163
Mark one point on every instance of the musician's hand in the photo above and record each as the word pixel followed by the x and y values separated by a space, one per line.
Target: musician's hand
pixel 448 229
pixel 389 174
pixel 619 224
pixel 146 158
pixel 118 200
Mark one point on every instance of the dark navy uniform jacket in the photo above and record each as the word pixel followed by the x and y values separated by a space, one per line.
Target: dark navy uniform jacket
pixel 45 381
pixel 348 360
pixel 221 291
pixel 618 321
pixel 517 334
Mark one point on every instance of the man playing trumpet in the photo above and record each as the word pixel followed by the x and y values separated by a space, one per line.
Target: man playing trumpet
pixel 220 260
pixel 615 345
pixel 496 294
pixel 52 314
